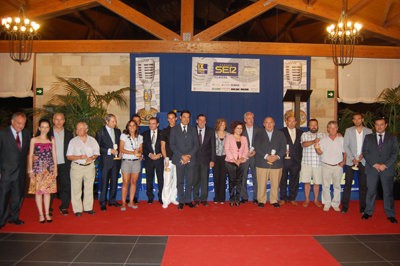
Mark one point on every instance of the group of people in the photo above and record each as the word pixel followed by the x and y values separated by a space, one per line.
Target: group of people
pixel 181 157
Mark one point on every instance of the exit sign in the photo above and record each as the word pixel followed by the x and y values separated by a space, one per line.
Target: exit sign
pixel 39 91
pixel 330 94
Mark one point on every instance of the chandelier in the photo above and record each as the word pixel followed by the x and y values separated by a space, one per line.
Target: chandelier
pixel 20 33
pixel 343 36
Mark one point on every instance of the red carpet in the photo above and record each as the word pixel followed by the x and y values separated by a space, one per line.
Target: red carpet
pixel 245 250
pixel 247 220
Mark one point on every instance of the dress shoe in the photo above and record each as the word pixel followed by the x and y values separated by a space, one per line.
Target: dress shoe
pixel 255 201
pixel 305 204
pixel 16 222
pixel 392 220
pixel 150 201
pixel 64 212
pixel 292 202
pixel 276 205
pixel 343 211
pixel 243 201
pixel 366 216
pixel 103 208
pixel 175 202
pixel 42 220
pixel 165 206
pixel 48 218
pixel 318 204
pixel 205 203
pixel 362 211
pixel 190 205
pixel 336 209
pixel 282 202
pixel 261 205
pixel 196 203
pixel 89 212
pixel 180 206
pixel 116 204
pixel 78 214
pixel 160 201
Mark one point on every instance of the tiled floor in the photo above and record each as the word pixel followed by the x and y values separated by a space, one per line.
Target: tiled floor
pixel 363 249
pixel 49 249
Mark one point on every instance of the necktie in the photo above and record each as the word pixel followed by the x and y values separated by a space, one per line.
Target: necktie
pixel 184 129
pixel 292 135
pixel 153 139
pixel 18 142
pixel 380 143
pixel 112 134
pixel 200 138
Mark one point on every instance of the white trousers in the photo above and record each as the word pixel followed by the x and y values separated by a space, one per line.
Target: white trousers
pixel 331 174
pixel 170 190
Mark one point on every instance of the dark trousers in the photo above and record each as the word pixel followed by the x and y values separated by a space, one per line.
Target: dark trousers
pixel 292 168
pixel 109 175
pixel 184 175
pixel 235 174
pixel 251 163
pixel 152 166
pixel 63 187
pixel 219 175
pixel 362 187
pixel 11 189
pixel 373 178
pixel 200 181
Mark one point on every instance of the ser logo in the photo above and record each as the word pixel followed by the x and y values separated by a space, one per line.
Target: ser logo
pixel 202 68
pixel 226 69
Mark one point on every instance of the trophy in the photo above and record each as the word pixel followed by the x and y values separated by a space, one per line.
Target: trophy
pixel 167 169
pixel 84 153
pixel 273 152
pixel 355 166
pixel 146 72
pixel 287 152
pixel 115 147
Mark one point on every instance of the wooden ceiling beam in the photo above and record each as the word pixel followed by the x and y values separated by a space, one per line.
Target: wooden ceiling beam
pixel 332 14
pixel 357 7
pixel 235 20
pixel 386 12
pixel 160 46
pixel 137 18
pixel 90 24
pixel 288 25
pixel 392 20
pixel 17 3
pixel 187 19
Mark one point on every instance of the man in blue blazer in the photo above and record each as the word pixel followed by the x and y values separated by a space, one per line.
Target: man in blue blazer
pixel 184 144
pixel 380 151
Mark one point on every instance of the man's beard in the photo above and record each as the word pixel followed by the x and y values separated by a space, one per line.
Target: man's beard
pixel 314 130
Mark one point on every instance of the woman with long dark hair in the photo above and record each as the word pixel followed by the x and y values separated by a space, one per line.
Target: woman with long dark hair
pixel 131 147
pixel 219 169
pixel 42 169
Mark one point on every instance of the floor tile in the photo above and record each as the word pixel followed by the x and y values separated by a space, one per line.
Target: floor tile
pixel 351 252
pixel 388 250
pixel 374 238
pixel 147 253
pixel 105 253
pixel 40 263
pixel 4 235
pixel 152 239
pixel 15 250
pixel 96 264
pixel 336 239
pixel 396 236
pixel 374 263
pixel 71 238
pixel 143 264
pixel 115 239
pixel 28 237
pixel 56 251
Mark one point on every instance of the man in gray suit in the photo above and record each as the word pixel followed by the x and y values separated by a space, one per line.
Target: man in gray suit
pixel 380 151
pixel 250 134
pixel 353 141
pixel 184 144
pixel 270 146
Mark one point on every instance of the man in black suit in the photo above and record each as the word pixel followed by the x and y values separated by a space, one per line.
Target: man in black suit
pixel 184 144
pixel 153 161
pixel 205 158
pixel 108 139
pixel 62 137
pixel 250 133
pixel 380 151
pixel 291 162
pixel 14 146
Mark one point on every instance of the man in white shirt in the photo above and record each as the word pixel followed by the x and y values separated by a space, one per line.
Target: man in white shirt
pixel 332 157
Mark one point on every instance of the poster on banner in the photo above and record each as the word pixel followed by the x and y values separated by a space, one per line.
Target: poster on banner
pixel 211 74
pixel 147 73
pixel 295 78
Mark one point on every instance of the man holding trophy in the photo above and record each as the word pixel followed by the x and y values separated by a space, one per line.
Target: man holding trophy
pixel 108 139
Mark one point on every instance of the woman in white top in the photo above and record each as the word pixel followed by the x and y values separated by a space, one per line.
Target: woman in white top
pixel 131 148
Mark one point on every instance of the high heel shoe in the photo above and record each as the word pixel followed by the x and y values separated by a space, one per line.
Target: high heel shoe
pixel 231 204
pixel 42 221
pixel 48 218
pixel 237 204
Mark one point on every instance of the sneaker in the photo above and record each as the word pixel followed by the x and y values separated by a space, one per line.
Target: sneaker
pixel 326 208
pixel 175 202
pixel 165 206
pixel 336 209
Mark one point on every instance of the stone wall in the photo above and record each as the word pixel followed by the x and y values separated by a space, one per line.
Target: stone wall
pixel 104 72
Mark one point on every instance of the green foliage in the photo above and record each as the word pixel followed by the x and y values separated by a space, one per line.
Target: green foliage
pixel 80 102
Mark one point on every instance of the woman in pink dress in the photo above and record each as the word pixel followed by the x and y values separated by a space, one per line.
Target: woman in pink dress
pixel 42 169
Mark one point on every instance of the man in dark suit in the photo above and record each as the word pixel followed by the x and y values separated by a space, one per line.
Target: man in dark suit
pixel 108 139
pixel 184 144
pixel 153 161
pixel 62 137
pixel 250 133
pixel 380 152
pixel 291 162
pixel 14 146
pixel 270 148
pixel 205 158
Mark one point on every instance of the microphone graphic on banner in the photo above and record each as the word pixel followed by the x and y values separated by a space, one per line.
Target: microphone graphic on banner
pixel 146 72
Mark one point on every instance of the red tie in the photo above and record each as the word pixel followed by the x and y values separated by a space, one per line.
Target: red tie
pixel 18 141
pixel 200 137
